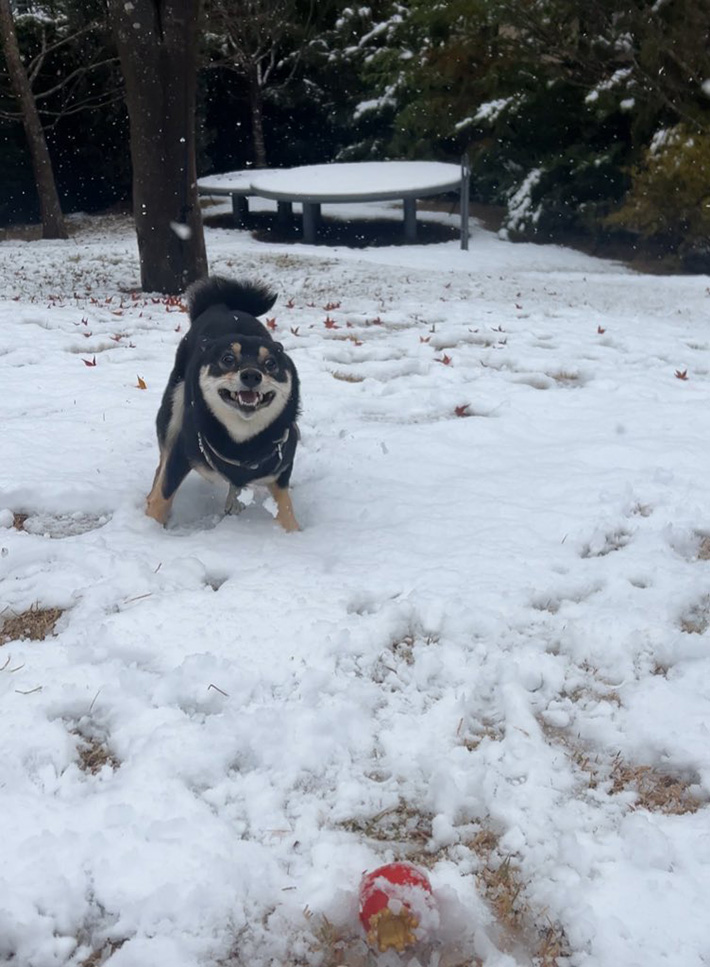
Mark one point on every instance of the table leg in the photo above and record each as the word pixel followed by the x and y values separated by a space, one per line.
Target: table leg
pixel 240 210
pixel 311 217
pixel 284 213
pixel 464 199
pixel 410 219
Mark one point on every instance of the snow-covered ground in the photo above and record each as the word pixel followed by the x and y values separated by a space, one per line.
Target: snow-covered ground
pixel 486 651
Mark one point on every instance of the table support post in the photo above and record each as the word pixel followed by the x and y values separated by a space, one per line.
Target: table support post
pixel 240 210
pixel 410 219
pixel 464 198
pixel 311 216
pixel 284 213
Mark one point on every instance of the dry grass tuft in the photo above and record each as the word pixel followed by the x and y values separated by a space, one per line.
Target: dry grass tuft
pixel 101 955
pixel 484 730
pixel 696 620
pixel 704 549
pixel 333 946
pixel 658 792
pixel 347 377
pixel 503 887
pixel 500 882
pixel 34 624
pixel 18 521
pixel 403 648
pixel 94 755
pixel 612 542
pixel 566 378
pixel 401 825
pixel 553 947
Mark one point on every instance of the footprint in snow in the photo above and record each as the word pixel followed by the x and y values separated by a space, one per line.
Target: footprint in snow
pixel 58 526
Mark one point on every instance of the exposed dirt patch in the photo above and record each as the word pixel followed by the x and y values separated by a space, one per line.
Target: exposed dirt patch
pixel 34 624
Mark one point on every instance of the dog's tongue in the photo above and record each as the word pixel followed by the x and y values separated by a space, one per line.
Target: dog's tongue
pixel 248 396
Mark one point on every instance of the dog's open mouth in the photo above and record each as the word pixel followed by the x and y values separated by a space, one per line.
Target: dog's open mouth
pixel 247 399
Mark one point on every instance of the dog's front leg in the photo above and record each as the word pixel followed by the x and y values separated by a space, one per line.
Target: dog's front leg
pixel 172 470
pixel 233 504
pixel 284 508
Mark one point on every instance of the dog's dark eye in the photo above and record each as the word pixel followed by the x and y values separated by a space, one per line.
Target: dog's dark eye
pixel 270 364
pixel 228 359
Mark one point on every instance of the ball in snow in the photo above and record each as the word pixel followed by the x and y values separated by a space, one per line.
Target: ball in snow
pixel 397 907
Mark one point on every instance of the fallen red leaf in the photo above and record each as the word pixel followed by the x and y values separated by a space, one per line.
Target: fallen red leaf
pixel 446 360
pixel 89 362
pixel 681 374
pixel 141 383
pixel 271 323
pixel 294 330
pixel 462 410
pixel 601 330
pixel 330 323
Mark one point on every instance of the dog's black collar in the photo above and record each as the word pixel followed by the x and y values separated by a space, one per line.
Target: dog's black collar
pixel 268 465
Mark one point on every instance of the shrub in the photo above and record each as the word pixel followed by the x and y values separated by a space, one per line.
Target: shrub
pixel 669 199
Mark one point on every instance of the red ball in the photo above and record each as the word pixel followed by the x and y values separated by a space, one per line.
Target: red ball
pixel 396 904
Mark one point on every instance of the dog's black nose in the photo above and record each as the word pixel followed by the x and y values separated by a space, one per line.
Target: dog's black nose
pixel 250 378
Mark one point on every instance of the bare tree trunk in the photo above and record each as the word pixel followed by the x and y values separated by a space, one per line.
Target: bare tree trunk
pixel 256 106
pixel 157 45
pixel 50 209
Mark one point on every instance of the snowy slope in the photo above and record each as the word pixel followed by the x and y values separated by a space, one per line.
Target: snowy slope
pixel 486 651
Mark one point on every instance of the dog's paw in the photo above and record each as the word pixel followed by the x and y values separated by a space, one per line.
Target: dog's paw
pixel 289 524
pixel 233 505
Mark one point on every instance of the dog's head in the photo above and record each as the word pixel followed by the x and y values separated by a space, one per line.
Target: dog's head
pixel 246 382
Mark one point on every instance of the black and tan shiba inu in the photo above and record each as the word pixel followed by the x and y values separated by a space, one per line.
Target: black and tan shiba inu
pixel 230 407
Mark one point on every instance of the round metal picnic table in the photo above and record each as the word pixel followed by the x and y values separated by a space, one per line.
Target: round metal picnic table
pixel 358 181
pixel 236 184
pixel 340 183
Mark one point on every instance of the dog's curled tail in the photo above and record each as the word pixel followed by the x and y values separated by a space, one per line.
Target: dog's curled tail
pixel 252 297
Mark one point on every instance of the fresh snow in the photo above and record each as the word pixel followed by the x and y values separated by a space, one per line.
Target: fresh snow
pixel 490 623
pixel 358 179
